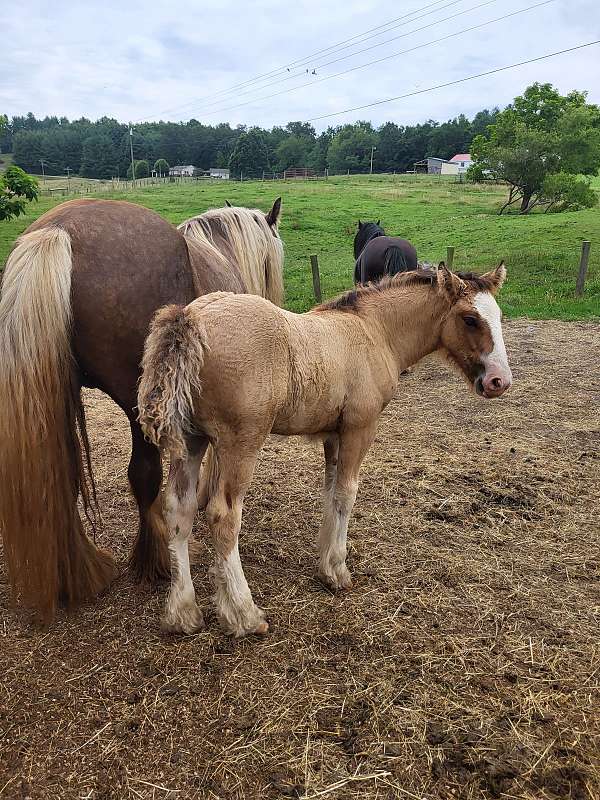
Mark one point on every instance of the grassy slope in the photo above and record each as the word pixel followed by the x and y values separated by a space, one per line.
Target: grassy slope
pixel 541 251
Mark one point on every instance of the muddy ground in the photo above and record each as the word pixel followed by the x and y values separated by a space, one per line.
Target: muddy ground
pixel 464 663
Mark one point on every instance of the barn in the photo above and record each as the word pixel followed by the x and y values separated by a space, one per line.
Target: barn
pixel 463 161
pixel 186 170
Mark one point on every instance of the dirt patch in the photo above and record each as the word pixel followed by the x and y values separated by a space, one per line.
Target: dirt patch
pixel 464 663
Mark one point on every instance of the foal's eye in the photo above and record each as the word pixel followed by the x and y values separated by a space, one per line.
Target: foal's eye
pixel 470 322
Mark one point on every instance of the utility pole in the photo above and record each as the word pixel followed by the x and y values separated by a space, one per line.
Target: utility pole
pixel 43 173
pixel 372 151
pixel 68 171
pixel 131 149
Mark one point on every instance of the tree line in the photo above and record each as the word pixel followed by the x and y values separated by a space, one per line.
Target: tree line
pixel 101 149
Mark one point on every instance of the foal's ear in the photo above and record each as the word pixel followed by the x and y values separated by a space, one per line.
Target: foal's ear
pixel 274 214
pixel 449 283
pixel 360 224
pixel 496 277
pixel 378 222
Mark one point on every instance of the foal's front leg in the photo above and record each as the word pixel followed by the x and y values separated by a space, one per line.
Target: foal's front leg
pixel 342 465
pixel 182 614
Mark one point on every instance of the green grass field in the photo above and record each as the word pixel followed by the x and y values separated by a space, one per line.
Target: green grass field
pixel 541 251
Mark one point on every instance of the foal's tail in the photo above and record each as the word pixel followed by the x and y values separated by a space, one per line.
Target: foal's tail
pixel 44 450
pixel 172 364
pixel 395 261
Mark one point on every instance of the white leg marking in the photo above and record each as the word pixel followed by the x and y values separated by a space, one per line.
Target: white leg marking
pixel 235 607
pixel 181 611
pixel 334 537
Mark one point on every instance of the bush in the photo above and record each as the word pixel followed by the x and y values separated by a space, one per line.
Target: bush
pixel 16 190
pixel 563 191
pixel 476 174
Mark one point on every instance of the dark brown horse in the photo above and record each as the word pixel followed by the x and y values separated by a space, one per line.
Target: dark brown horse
pixel 377 254
pixel 79 291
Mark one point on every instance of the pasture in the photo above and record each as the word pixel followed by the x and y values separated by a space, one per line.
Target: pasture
pixel 465 661
pixel 463 664
pixel 320 217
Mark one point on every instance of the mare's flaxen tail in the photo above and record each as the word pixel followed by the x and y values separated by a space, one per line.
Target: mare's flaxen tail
pixel 395 261
pixel 171 368
pixel 44 450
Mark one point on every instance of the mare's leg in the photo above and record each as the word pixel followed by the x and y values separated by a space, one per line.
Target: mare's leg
pixel 149 559
pixel 235 607
pixel 181 611
pixel 341 486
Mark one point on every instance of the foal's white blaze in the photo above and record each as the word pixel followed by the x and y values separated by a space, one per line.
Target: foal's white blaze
pixel 496 362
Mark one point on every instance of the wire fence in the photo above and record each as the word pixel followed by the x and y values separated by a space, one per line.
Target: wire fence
pixel 60 186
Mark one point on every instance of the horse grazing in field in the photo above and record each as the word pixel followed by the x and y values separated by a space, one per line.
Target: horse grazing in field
pixel 79 291
pixel 377 254
pixel 329 372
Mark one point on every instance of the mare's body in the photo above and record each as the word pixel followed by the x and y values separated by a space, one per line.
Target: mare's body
pixel 79 292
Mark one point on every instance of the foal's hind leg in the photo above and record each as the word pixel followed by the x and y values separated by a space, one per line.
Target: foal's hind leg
pixel 149 560
pixel 181 611
pixel 340 488
pixel 235 607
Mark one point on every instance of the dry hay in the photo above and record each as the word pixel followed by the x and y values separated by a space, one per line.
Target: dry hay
pixel 463 664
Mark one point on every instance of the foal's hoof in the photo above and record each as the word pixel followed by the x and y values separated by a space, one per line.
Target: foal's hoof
pixel 188 620
pixel 262 629
pixel 336 581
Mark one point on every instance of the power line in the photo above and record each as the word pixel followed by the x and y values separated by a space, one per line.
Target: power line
pixel 371 47
pixel 390 25
pixel 453 83
pixel 383 58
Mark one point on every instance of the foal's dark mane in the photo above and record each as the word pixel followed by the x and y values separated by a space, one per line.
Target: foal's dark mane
pixel 350 301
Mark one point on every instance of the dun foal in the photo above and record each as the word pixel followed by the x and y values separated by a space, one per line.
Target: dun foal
pixel 230 369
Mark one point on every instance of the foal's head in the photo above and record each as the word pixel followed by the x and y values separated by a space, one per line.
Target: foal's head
pixel 471 335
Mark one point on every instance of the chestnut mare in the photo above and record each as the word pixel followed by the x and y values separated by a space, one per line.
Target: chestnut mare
pixel 79 291
pixel 327 373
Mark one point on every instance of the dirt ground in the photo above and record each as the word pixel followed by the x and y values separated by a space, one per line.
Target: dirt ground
pixel 464 663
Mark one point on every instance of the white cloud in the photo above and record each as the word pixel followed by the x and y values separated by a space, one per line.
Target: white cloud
pixel 134 60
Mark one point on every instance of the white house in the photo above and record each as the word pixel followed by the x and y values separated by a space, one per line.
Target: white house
pixel 223 174
pixel 463 161
pixel 186 170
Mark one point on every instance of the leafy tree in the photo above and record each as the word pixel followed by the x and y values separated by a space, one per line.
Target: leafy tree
pixel 350 148
pixel 250 155
pixel 98 158
pixel 541 134
pixel 293 151
pixel 161 167
pixel 16 190
pixel 142 169
pixel 4 129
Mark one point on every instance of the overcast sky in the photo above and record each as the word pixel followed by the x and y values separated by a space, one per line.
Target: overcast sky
pixel 177 60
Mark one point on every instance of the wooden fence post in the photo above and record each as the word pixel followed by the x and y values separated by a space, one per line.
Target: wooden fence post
pixel 583 265
pixel 449 257
pixel 314 263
